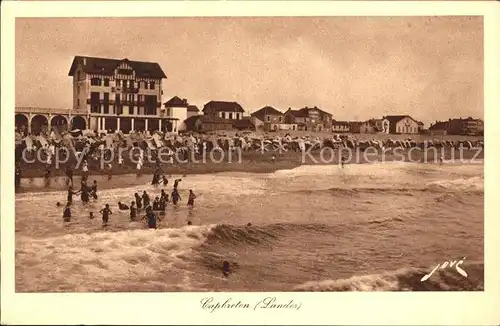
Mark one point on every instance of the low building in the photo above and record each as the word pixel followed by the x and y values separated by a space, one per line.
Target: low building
pixel 192 110
pixel 177 108
pixel 340 126
pixel 271 118
pixel 355 126
pixel 382 125
pixel 438 128
pixel 243 124
pixel 468 126
pixel 402 124
pixel 309 119
pixel 421 127
pixel 206 123
pixel 224 110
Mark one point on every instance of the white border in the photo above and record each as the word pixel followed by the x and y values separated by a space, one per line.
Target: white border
pixel 317 308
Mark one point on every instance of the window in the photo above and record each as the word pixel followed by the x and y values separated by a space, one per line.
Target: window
pixel 78 102
pixel 118 83
pixel 78 75
pixel 152 85
pixel 106 81
pixel 230 115
pixel 78 89
pixel 279 119
pixel 150 105
pixel 118 104
pixel 106 103
pixel 268 118
pixel 94 102
pixel 95 82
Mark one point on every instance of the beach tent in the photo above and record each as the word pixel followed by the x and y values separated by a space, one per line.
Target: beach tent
pixel 149 143
pixel 29 143
pixel 43 141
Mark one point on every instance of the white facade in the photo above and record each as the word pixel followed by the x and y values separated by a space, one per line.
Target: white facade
pixel 177 113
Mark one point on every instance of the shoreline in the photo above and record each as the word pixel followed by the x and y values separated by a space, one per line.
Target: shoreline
pixel 125 176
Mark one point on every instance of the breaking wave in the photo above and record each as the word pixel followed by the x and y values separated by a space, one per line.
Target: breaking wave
pixel 405 279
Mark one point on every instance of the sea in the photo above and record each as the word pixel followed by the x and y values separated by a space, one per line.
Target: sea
pixel 363 227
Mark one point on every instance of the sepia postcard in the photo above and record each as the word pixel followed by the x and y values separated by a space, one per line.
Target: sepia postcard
pixel 286 162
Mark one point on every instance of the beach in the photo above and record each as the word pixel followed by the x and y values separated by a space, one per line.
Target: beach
pixel 365 227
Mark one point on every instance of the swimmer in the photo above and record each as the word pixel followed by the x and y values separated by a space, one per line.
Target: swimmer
pixel 110 171
pixel 225 268
pixel 176 183
pixel 93 190
pixel 84 192
pixel 150 217
pixel 163 196
pixel 71 193
pixel 91 215
pixel 156 204
pixel 138 200
pixel 191 198
pixel 122 206
pixel 175 196
pixel 190 223
pixel 145 199
pixel 58 204
pixel 67 213
pixel 165 180
pixel 133 211
pixel 105 214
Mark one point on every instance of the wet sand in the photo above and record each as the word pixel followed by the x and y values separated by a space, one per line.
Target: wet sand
pixel 251 162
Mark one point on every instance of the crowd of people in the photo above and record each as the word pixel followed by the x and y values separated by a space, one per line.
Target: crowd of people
pixel 153 210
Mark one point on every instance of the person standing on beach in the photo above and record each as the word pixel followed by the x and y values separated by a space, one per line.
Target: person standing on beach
pixel 191 198
pixel 105 214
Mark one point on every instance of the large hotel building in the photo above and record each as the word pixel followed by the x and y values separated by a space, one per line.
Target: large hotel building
pixel 119 94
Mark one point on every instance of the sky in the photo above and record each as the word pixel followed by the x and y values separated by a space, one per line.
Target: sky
pixel 356 68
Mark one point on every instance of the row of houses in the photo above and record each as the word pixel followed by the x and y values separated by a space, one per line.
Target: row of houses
pixel 125 95
pixel 458 126
pixel 222 115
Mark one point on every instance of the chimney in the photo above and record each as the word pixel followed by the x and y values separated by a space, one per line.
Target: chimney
pixel 184 101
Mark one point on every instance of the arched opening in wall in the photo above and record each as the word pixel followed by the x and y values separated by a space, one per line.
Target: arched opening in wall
pixel 21 123
pixel 153 125
pixel 59 123
pixel 125 125
pixel 111 124
pixel 78 122
pixel 167 125
pixel 139 124
pixel 39 124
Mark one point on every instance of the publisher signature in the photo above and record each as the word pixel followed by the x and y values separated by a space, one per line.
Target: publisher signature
pixel 447 264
